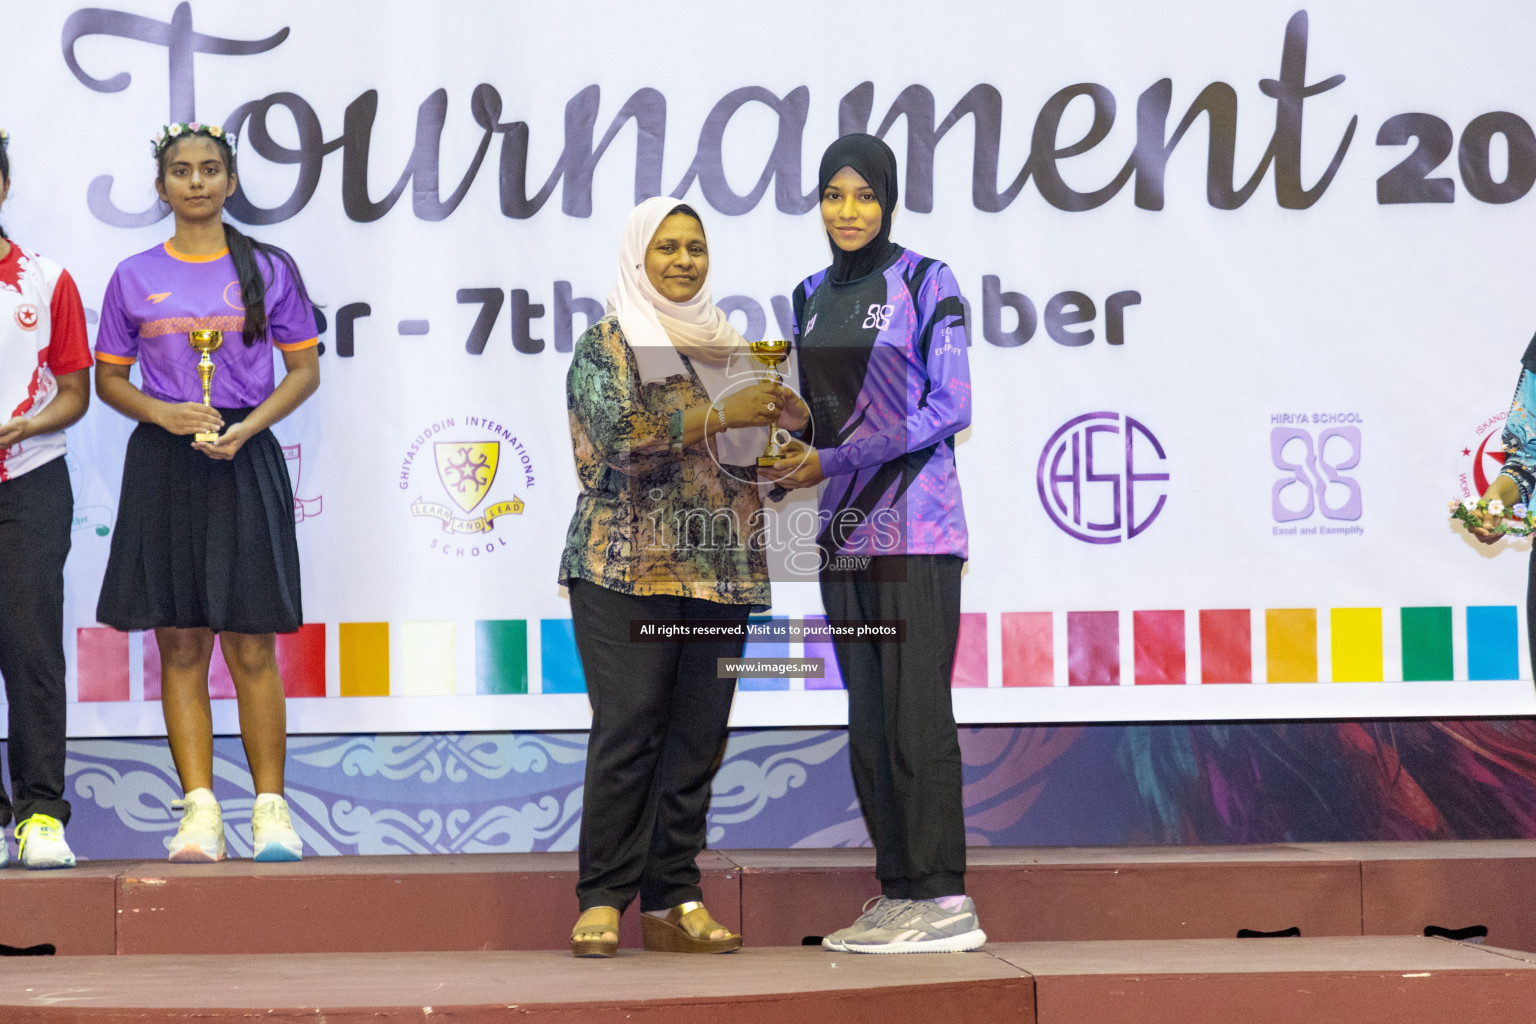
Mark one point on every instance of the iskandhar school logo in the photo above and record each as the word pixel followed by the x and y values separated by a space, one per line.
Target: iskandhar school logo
pixel 466 474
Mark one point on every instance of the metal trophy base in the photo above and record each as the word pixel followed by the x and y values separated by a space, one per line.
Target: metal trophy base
pixel 775 453
pixel 205 437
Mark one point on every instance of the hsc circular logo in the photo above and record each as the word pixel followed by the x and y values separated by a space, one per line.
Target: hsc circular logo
pixel 1103 477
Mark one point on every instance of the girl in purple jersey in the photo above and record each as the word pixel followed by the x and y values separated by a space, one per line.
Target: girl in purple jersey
pixel 204 545
pixel 881 343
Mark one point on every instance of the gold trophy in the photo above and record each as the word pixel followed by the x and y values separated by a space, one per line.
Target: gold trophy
pixel 771 352
pixel 206 342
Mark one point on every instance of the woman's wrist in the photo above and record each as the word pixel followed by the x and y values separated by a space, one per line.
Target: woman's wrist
pixel 157 410
pixel 797 414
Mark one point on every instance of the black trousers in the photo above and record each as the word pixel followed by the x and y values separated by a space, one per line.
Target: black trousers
pixel 903 746
pixel 1530 608
pixel 36 512
pixel 658 729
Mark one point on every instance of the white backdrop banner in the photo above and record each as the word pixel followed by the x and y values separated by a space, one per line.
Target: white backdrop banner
pixel 1247 289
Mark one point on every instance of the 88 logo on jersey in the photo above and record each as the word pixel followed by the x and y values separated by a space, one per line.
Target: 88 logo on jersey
pixel 878 316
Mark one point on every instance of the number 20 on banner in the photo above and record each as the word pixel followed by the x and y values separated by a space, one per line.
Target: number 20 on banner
pixel 1410 181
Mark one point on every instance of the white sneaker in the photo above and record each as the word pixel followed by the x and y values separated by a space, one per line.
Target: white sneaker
pixel 272 834
pixel 919 926
pixel 200 838
pixel 42 845
pixel 874 908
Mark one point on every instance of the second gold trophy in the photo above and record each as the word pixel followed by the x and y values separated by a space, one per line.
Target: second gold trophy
pixel 771 352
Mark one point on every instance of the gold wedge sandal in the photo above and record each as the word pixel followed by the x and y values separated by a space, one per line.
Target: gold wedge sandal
pixel 586 937
pixel 685 930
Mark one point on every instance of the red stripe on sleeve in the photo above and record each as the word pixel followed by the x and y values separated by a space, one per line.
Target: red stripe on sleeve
pixel 69 349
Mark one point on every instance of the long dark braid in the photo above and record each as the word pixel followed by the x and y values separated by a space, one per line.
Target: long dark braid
pixel 242 252
pixel 253 287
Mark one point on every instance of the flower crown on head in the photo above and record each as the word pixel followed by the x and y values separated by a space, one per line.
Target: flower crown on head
pixel 5 138
pixel 171 132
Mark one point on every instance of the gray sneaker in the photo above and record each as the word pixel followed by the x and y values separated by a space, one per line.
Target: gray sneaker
pixel 919 926
pixel 875 909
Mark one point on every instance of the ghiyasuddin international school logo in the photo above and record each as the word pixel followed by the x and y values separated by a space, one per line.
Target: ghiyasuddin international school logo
pixel 466 474
pixel 1103 478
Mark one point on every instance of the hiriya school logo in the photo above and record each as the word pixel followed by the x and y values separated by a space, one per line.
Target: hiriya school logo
pixel 878 316
pixel 1314 451
pixel 26 316
pixel 1103 477
pixel 1480 456
pixel 466 473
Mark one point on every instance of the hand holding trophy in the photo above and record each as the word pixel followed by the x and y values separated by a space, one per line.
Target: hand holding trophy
pixel 771 352
pixel 206 342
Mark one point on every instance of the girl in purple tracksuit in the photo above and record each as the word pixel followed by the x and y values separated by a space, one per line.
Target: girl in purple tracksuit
pixel 881 343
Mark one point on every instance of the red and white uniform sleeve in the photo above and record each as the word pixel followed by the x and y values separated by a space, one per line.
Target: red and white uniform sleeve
pixel 42 337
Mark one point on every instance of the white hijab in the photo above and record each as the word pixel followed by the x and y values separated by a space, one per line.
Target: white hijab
pixel 660 332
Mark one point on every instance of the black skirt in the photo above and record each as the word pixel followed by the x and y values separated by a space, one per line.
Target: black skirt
pixel 203 542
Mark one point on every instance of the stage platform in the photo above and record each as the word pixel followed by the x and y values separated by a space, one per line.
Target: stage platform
pixel 776 897
pixel 1191 981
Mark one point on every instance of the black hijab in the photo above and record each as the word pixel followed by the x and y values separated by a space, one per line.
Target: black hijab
pixel 876 164
pixel 1529 359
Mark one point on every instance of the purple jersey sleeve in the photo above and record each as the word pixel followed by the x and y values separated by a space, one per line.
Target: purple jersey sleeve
pixel 938 384
pixel 290 317
pixel 117 336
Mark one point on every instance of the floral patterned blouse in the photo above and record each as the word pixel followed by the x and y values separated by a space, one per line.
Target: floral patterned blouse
pixel 1520 437
pixel 654 518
